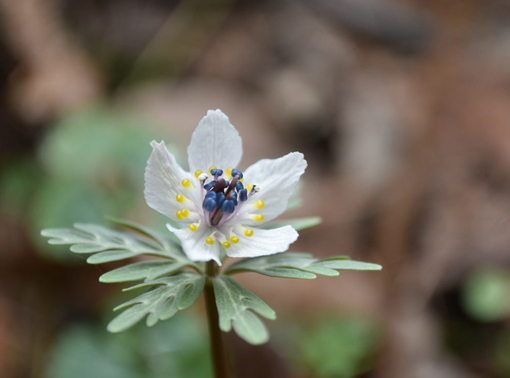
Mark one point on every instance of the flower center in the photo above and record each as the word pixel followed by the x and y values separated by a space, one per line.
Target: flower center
pixel 224 197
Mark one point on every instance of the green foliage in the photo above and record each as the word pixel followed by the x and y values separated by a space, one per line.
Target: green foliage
pixel 110 245
pixel 168 296
pixel 298 265
pixel 170 349
pixel 237 307
pixel 172 289
pixel 298 223
pixel 486 295
pixel 339 348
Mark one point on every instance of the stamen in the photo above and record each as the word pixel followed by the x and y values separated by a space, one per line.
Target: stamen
pixel 211 168
pixel 214 172
pixel 184 213
pixel 239 185
pixel 210 203
pixel 210 185
pixel 186 183
pixel 220 199
pixel 210 240
pixel 258 217
pixel 202 177
pixel 198 173
pixel 260 204
pixel 243 195
pixel 228 206
pixel 219 172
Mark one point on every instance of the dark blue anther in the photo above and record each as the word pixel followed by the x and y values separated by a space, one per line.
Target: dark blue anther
pixel 235 200
pixel 243 195
pixel 239 185
pixel 210 185
pixel 213 172
pixel 228 206
pixel 234 172
pixel 240 175
pixel 209 204
pixel 219 172
pixel 227 183
pixel 211 195
pixel 220 198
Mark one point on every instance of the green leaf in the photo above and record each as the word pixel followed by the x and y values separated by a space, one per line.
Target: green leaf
pixel 237 307
pixel 169 295
pixel 298 265
pixel 298 223
pixel 169 241
pixel 145 270
pixel 112 245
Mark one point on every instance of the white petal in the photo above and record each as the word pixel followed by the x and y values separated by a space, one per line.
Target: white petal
pixel 194 245
pixel 215 142
pixel 277 180
pixel 263 242
pixel 163 178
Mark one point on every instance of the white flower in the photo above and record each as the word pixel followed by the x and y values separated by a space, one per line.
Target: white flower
pixel 220 205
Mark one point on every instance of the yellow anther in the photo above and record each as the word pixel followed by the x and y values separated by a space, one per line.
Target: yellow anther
pixel 210 240
pixel 213 167
pixel 226 244
pixel 198 173
pixel 248 232
pixel 186 183
pixel 184 213
pixel 258 217
pixel 234 239
pixel 193 227
pixel 229 172
pixel 260 204
pixel 249 187
pixel 180 198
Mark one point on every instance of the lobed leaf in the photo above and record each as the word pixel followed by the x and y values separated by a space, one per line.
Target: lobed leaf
pixel 237 307
pixel 111 245
pixel 298 223
pixel 145 270
pixel 298 265
pixel 168 296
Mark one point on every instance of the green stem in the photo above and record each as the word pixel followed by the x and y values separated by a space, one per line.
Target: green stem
pixel 217 348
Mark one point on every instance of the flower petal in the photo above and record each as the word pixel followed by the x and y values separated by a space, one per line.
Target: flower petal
pixel 163 178
pixel 194 245
pixel 277 180
pixel 264 242
pixel 215 142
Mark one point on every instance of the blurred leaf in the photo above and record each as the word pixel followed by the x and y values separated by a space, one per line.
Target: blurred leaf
pixel 170 295
pixel 179 348
pixel 298 223
pixel 338 349
pixel 501 352
pixel 486 294
pixel 112 245
pixel 145 270
pixel 168 240
pixel 236 308
pixel 298 265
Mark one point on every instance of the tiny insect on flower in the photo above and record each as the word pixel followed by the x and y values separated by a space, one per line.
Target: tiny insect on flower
pixel 218 205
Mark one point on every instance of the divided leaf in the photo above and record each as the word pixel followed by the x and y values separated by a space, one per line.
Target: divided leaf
pixel 168 296
pixel 298 265
pixel 237 307
pixel 145 270
pixel 109 245
pixel 298 223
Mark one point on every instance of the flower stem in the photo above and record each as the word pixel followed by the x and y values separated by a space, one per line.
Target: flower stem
pixel 217 348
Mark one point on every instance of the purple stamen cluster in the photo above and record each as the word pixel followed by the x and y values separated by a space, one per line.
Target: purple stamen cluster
pixel 222 196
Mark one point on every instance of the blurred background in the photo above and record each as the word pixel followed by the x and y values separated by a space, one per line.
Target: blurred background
pixel 402 108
